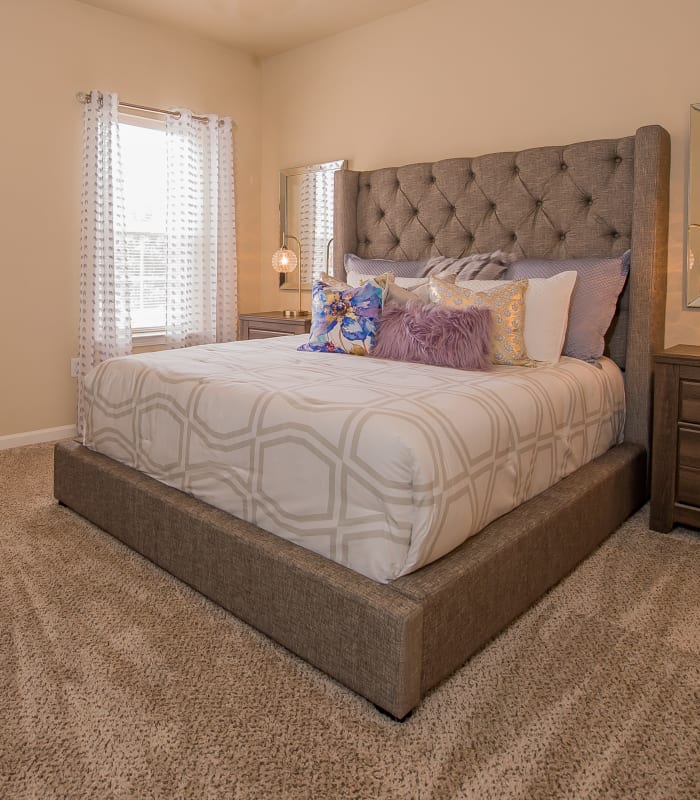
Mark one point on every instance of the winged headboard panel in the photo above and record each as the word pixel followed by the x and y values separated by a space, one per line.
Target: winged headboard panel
pixel 595 198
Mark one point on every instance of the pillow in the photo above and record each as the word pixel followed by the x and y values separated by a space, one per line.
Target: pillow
pixel 546 313
pixel 344 320
pixel 399 296
pixel 418 290
pixel 506 301
pixel 385 280
pixel 377 266
pixel 484 266
pixel 420 286
pixel 437 335
pixel 593 302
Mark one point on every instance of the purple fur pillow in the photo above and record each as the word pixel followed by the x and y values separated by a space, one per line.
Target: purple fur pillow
pixel 435 334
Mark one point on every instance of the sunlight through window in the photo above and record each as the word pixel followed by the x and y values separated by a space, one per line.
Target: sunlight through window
pixel 144 175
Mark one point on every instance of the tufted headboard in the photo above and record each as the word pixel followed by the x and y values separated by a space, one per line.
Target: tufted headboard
pixel 595 198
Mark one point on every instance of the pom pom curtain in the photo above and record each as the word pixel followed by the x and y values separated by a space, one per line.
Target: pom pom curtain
pixel 201 295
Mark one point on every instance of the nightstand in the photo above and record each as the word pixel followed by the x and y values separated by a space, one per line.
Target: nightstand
pixel 265 324
pixel 675 468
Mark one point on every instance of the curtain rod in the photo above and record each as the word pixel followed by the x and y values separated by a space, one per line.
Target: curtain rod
pixel 86 97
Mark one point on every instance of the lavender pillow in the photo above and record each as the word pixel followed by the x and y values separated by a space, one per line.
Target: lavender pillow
pixel 599 282
pixel 378 266
pixel 437 335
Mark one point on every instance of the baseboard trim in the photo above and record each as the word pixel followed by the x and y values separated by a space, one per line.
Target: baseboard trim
pixel 36 437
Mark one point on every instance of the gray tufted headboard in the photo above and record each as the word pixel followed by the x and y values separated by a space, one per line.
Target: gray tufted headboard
pixel 596 198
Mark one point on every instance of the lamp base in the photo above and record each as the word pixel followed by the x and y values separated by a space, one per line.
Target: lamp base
pixel 288 313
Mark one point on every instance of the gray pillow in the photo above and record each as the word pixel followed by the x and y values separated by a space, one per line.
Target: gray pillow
pixel 378 266
pixel 599 282
pixel 418 294
pixel 479 266
pixel 398 296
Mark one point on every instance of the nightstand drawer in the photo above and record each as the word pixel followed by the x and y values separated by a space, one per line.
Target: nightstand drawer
pixel 689 447
pixel 689 401
pixel 271 324
pixel 688 486
pixel 257 333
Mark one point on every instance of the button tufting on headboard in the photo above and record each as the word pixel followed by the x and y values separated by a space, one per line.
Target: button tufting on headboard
pixel 453 203
pixel 573 201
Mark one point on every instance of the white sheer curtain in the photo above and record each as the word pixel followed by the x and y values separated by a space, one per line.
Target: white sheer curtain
pixel 201 296
pixel 105 323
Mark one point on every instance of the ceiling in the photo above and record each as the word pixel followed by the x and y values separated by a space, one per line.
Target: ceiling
pixel 259 27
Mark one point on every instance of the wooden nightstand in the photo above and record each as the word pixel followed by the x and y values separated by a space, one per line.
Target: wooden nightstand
pixel 675 468
pixel 265 324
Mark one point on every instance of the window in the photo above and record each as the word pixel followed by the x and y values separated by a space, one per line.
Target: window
pixel 179 285
pixel 143 153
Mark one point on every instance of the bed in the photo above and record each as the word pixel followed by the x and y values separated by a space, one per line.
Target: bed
pixel 392 642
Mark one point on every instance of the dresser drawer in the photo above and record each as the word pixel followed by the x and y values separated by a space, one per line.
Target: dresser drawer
pixel 689 447
pixel 689 410
pixel 675 467
pixel 688 486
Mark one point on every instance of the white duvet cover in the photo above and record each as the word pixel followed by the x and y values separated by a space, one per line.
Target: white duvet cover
pixel 380 465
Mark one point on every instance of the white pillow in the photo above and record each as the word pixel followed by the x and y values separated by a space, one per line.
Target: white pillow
pixel 546 312
pixel 356 279
pixel 412 283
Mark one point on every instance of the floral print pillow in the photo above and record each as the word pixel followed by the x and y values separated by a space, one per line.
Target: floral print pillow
pixel 344 320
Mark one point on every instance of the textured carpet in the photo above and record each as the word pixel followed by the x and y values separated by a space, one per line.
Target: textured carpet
pixel 117 681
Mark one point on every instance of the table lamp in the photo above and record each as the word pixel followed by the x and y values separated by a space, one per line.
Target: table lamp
pixel 285 260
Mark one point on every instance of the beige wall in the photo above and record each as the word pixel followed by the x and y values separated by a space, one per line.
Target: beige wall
pixel 49 50
pixel 445 78
pixel 449 78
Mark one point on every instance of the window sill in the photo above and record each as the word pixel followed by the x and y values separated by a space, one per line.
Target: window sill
pixel 145 341
pixel 148 338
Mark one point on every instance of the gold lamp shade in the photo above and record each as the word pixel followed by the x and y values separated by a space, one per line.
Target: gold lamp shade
pixel 284 260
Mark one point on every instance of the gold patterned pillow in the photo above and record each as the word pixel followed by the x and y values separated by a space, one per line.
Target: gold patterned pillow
pixel 507 304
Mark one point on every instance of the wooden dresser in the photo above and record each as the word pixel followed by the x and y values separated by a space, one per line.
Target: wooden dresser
pixel 675 469
pixel 265 324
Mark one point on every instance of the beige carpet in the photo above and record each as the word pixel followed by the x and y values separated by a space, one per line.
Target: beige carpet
pixel 116 681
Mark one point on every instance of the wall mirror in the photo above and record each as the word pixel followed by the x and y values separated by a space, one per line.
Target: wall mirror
pixel 306 220
pixel 692 237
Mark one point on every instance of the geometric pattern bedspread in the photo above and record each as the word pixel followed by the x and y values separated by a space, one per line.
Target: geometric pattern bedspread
pixel 382 466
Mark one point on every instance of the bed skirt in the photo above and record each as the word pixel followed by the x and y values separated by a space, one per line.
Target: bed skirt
pixel 392 642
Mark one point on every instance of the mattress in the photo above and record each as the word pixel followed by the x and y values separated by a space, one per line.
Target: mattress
pixel 382 466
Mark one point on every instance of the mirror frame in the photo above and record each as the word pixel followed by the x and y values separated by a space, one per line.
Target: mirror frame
pixel 285 280
pixel 691 260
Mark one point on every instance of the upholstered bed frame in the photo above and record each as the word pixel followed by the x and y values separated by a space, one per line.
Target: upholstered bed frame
pixel 393 643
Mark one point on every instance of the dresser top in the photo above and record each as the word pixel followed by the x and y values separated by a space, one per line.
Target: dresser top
pixel 680 354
